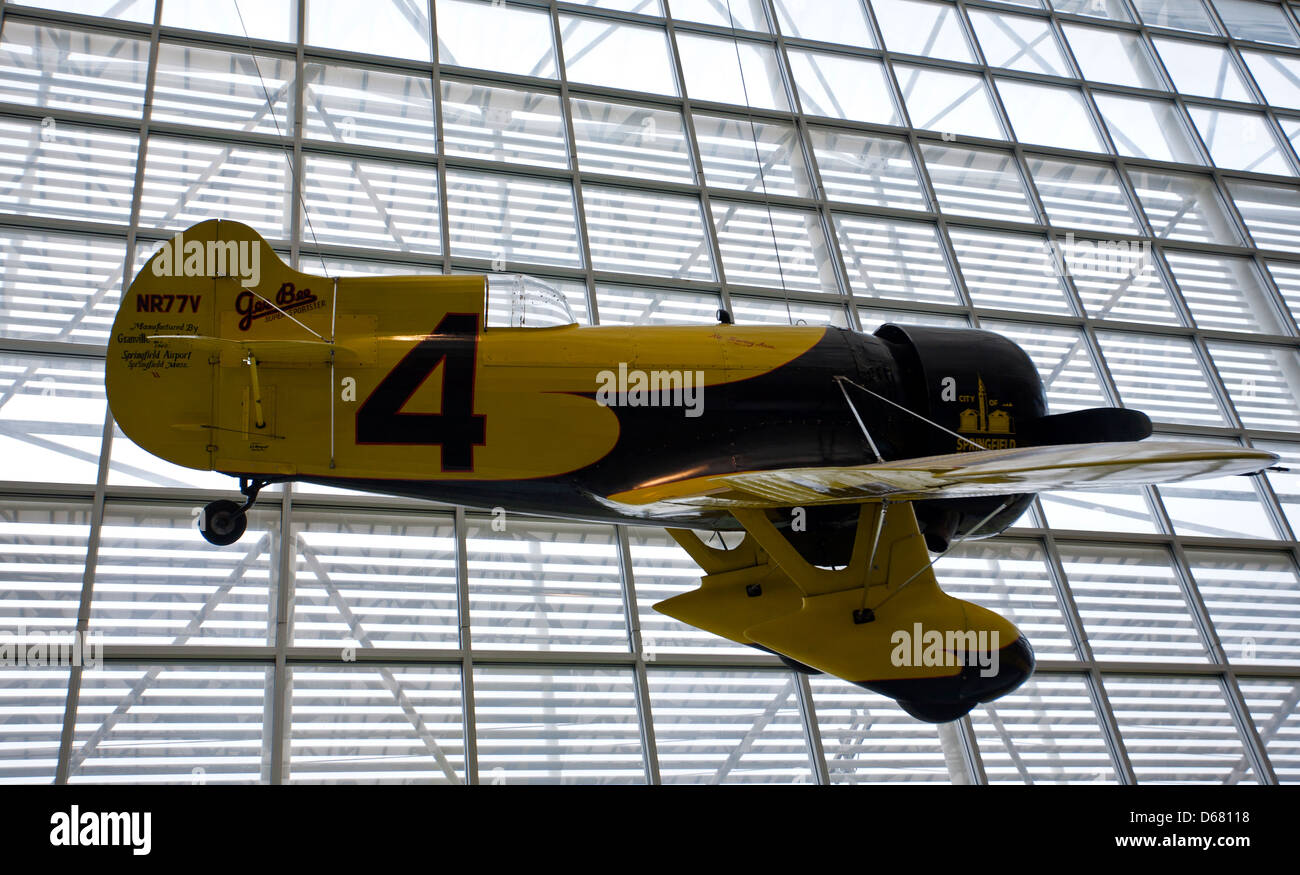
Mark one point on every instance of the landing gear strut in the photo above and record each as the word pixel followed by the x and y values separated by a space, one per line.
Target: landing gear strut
pixel 224 521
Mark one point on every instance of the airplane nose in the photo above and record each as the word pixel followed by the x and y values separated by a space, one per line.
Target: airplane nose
pixel 941 699
pixel 1015 663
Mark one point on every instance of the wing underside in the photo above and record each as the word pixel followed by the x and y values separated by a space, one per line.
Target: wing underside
pixel 960 475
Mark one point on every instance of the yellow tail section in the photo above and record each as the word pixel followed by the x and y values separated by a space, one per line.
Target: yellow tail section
pixel 223 357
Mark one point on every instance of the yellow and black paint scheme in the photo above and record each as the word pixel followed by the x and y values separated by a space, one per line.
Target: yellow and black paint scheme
pixel 224 358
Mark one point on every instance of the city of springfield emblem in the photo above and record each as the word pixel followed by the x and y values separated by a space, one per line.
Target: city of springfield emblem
pixel 988 423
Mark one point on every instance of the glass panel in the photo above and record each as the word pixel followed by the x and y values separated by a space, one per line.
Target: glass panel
pixel 837 86
pixel 1271 212
pixel 1084 196
pixel 621 139
pixel 557 726
pixel 1049 115
pixel 1143 128
pixel 911 27
pixel 537 585
pixel 1272 704
pixel 1011 578
pixel 872 317
pixel 59 287
pixel 1176 14
pixel 1018 42
pixel 628 305
pixel 739 14
pixel 225 90
pixel 376 204
pixel 725 71
pixel 752 156
pixel 60 68
pixel 1286 484
pixel 189 181
pixel 172 725
pixel 1241 141
pixel 868 739
pixel 832 21
pixel 391 28
pixel 977 182
pixel 756 311
pixel 1044 732
pixel 1093 510
pixel 728 727
pixel 1184 207
pixel 1217 507
pixel 1132 606
pixel 777 248
pixel 43 548
pixel 1009 271
pixel 1106 55
pixel 1161 376
pixel 1158 716
pixel 363 725
pixel 43 171
pixel 1203 69
pixel 512 219
pixel 1264 22
pixel 1287 277
pixel 661 569
pixel 617 55
pixel 948 102
pixel 158 582
pixel 644 7
pixel 1064 365
pixel 862 169
pixel 1117 279
pixel 1278 76
pixel 494 36
pixel 1291 127
pixel 268 19
pixel 1263 382
pixel 1254 600
pixel 503 124
pixel 367 580
pixel 126 10
pixel 654 234
pixel 360 106
pixel 1112 9
pixel 900 260
pixel 51 418
pixel 32 702
pixel 1225 293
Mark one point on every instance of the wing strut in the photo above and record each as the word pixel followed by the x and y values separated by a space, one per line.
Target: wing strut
pixel 842 380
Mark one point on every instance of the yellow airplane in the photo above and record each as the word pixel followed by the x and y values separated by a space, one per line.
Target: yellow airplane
pixel 846 458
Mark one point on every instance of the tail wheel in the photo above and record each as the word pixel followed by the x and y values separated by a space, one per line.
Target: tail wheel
pixel 223 522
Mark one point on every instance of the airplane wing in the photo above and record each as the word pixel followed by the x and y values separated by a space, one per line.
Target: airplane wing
pixel 960 475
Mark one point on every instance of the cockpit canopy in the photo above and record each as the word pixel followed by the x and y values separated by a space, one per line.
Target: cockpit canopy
pixel 518 301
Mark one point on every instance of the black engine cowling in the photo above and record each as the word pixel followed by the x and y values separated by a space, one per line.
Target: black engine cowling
pixel 979 385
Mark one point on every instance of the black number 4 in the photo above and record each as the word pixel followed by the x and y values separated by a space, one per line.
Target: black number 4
pixel 458 429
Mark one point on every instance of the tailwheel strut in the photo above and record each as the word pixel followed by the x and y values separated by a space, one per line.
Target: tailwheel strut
pixel 224 521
